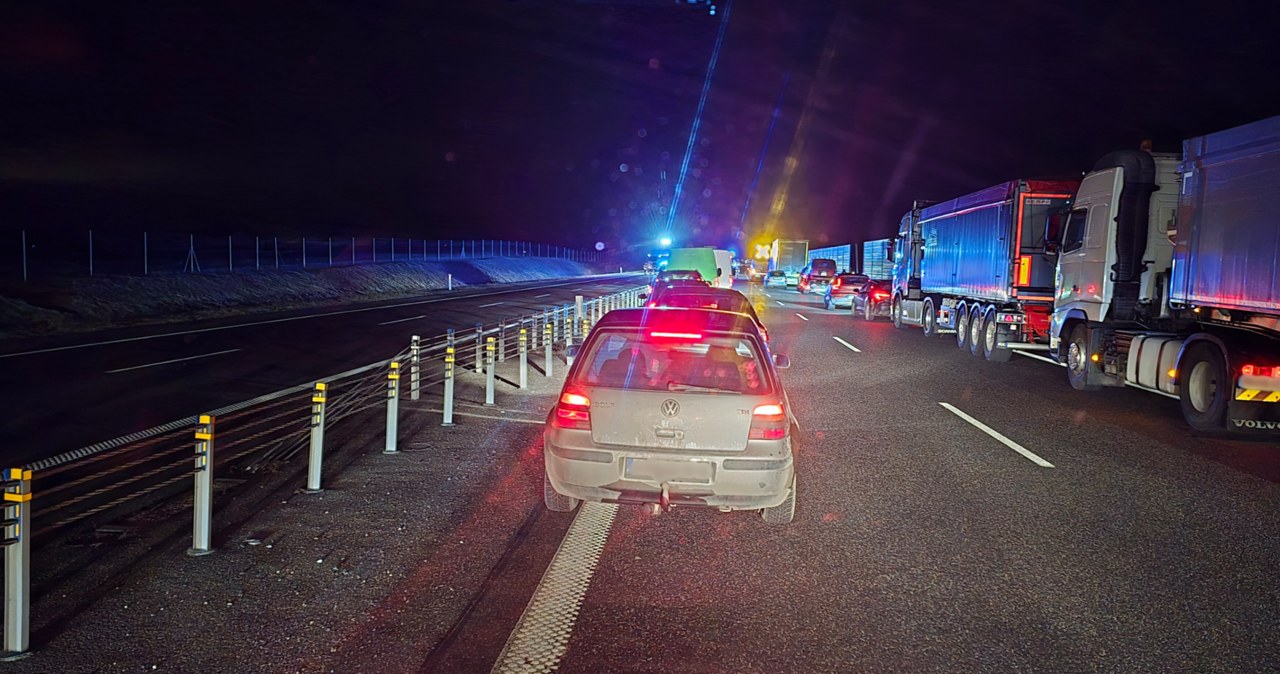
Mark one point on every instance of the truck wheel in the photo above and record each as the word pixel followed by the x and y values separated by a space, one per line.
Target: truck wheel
pixel 897 314
pixel 929 319
pixel 975 331
pixel 1078 364
pixel 962 327
pixel 554 500
pixel 784 512
pixel 991 349
pixel 1203 387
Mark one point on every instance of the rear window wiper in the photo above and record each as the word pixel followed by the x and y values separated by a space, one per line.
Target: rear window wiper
pixel 677 386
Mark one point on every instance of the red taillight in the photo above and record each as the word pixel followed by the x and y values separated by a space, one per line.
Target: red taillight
pixel 836 283
pixel 573 411
pixel 676 335
pixel 768 422
pixel 1260 371
pixel 879 296
pixel 651 305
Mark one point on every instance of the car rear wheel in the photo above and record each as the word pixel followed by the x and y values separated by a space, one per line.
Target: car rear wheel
pixel 991 349
pixel 1203 387
pixel 784 512
pixel 554 500
pixel 962 327
pixel 868 312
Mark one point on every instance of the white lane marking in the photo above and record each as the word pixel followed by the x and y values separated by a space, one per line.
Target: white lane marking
pixel 541 637
pixel 996 434
pixel 166 362
pixel 486 306
pixel 780 303
pixel 1039 357
pixel 542 295
pixel 1128 383
pixel 802 317
pixel 855 349
pixel 401 320
pixel 267 322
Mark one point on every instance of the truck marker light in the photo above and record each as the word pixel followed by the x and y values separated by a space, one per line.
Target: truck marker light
pixel 1095 357
pixel 1173 373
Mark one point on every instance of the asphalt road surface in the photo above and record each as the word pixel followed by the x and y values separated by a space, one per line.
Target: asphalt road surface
pixel 62 393
pixel 953 515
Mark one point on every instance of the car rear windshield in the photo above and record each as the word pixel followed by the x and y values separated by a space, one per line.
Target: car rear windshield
pixel 699 301
pixel 655 360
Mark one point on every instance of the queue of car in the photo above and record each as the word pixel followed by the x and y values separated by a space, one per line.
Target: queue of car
pixel 676 403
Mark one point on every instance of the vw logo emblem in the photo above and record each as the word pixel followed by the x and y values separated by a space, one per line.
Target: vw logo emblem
pixel 670 408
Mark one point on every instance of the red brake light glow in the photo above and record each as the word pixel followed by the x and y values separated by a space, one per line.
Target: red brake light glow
pixel 880 295
pixel 575 400
pixel 1260 371
pixel 677 335
pixel 768 422
pixel 573 411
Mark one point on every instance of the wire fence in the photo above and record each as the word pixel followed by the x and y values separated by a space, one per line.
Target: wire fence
pixel 93 485
pixel 31 254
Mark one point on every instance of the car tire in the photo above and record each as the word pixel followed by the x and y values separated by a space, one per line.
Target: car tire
pixel 1077 359
pixel 554 500
pixel 962 327
pixel 868 312
pixel 975 331
pixel 1203 387
pixel 929 319
pixel 784 512
pixel 991 349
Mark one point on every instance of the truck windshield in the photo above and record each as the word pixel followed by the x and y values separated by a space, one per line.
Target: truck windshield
pixel 1035 209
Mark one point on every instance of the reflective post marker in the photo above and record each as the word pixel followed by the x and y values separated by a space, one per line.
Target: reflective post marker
pixel 393 407
pixel 547 343
pixel 17 561
pixel 502 342
pixel 414 352
pixel 316 457
pixel 479 356
pixel 201 528
pixel 448 381
pixel 489 371
pixel 524 358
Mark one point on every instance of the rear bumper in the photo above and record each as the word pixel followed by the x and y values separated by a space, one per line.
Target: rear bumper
pixel 736 487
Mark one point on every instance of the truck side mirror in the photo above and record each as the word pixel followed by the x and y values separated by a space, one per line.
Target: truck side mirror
pixel 1053 232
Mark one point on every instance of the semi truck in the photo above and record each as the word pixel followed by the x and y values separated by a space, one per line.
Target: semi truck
pixel 877 260
pixel 789 255
pixel 976 267
pixel 1167 278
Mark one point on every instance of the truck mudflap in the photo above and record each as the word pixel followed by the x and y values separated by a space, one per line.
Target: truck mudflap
pixel 1254 412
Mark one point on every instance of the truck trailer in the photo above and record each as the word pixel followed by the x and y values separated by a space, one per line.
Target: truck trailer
pixel 877 259
pixel 1167 278
pixel 790 256
pixel 976 267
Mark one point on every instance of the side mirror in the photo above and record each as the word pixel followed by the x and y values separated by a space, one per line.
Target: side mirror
pixel 781 361
pixel 1053 232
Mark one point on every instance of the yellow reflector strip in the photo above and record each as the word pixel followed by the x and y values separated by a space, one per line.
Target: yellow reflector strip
pixel 16 498
pixel 317 399
pixel 1246 393
pixel 1273 398
pixel 204 436
pixel 320 386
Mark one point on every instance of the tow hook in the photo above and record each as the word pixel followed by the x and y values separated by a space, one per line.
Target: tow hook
pixel 664 498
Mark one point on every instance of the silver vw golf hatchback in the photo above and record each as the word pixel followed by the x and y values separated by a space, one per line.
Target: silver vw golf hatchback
pixel 673 407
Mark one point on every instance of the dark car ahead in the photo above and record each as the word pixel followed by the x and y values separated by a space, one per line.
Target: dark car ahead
pixel 872 299
pixel 840 293
pixel 777 278
pixel 817 277
pixel 721 299
pixel 677 277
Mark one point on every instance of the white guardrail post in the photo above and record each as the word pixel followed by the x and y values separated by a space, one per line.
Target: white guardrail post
pixel 316 457
pixel 415 350
pixel 393 407
pixel 489 371
pixel 548 341
pixel 578 309
pixel 202 518
pixel 479 358
pixel 448 380
pixel 502 342
pixel 523 346
pixel 17 563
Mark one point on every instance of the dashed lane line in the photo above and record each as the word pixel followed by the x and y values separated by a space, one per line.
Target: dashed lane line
pixel 541 637
pixel 486 306
pixel 780 303
pixel 401 320
pixel 803 317
pixel 542 295
pixel 167 362
pixel 855 349
pixel 998 436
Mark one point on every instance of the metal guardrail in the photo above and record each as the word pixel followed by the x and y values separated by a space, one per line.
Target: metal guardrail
pixel 116 477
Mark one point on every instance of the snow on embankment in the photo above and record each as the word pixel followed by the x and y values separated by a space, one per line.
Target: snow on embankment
pixel 84 304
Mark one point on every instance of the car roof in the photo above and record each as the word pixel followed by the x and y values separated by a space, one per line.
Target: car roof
pixel 677 318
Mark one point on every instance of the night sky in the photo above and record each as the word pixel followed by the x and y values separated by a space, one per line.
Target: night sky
pixel 567 122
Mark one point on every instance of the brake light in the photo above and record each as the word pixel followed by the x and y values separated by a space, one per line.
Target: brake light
pixel 836 283
pixel 676 335
pixel 573 411
pixel 768 422
pixel 1260 371
pixel 879 295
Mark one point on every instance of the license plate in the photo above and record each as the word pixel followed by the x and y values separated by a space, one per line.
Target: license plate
pixel 659 470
